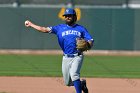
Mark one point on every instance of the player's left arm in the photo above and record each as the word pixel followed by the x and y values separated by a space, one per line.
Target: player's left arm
pixel 88 38
pixel 90 43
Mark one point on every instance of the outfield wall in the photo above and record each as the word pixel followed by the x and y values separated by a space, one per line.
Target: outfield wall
pixel 112 29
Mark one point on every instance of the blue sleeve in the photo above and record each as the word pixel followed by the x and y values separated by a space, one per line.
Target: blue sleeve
pixel 53 29
pixel 86 35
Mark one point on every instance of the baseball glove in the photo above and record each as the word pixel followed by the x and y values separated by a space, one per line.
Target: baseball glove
pixel 82 44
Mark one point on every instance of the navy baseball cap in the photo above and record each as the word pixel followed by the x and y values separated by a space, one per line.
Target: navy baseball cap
pixel 69 11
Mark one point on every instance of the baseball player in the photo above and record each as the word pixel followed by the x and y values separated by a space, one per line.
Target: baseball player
pixel 74 39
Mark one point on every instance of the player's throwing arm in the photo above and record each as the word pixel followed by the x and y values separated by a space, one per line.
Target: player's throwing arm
pixel 39 28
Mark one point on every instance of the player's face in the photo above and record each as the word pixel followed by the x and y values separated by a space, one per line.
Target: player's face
pixel 70 19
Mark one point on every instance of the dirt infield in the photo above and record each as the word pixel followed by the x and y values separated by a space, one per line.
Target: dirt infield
pixel 55 85
pixel 59 52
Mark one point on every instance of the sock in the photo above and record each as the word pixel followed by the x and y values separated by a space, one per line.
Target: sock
pixel 77 85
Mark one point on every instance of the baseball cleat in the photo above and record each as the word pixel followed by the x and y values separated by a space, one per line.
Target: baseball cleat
pixel 84 86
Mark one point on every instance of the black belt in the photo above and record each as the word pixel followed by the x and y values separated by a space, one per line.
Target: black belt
pixel 72 55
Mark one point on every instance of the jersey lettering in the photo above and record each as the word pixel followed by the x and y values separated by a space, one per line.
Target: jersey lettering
pixel 68 32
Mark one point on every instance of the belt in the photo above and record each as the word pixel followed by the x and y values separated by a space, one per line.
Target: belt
pixel 72 55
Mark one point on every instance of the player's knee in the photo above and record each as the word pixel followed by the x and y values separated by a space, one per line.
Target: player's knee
pixel 75 76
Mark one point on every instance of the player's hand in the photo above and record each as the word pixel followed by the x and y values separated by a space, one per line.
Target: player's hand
pixel 28 23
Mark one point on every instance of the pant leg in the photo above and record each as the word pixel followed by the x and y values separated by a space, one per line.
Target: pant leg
pixel 66 64
pixel 76 67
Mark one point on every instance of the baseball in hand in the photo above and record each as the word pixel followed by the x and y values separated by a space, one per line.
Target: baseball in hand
pixel 27 23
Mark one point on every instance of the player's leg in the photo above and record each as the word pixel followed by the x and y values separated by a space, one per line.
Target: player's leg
pixel 75 72
pixel 84 86
pixel 77 85
pixel 66 71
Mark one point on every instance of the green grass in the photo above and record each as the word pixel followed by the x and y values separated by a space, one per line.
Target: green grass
pixel 112 66
pixel 93 66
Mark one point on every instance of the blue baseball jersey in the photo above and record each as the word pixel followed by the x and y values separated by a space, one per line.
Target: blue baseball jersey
pixel 67 36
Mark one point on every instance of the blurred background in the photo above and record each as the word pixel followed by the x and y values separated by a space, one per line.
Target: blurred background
pixel 114 24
